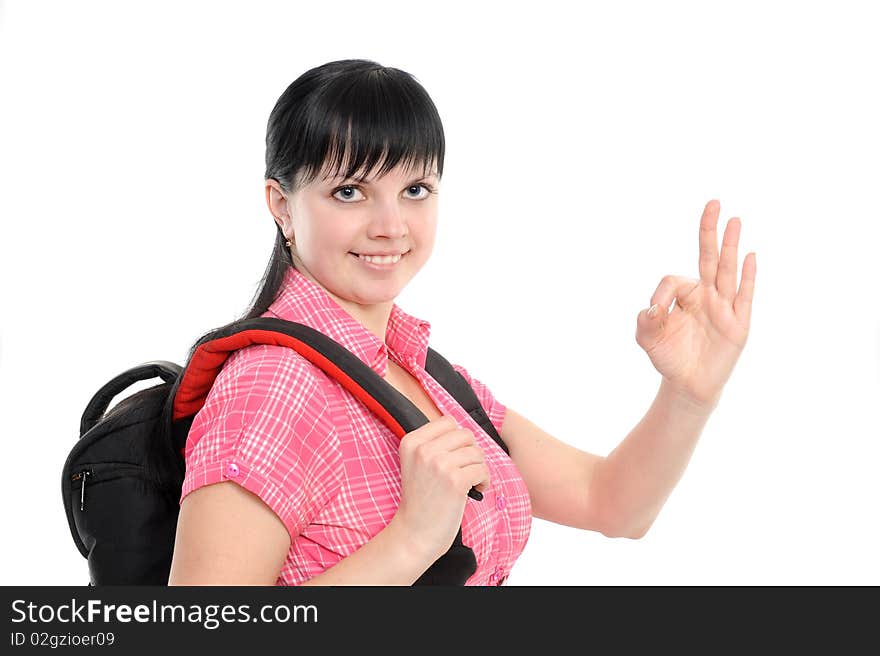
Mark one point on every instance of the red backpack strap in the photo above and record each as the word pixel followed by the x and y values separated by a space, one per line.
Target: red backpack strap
pixel 208 357
pixel 392 407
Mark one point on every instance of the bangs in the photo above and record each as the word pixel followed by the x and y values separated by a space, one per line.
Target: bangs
pixel 370 121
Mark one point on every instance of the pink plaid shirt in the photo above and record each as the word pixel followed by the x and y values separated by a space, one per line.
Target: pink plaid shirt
pixel 323 462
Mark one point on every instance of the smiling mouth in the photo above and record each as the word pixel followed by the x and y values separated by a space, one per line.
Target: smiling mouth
pixel 389 265
pixel 359 254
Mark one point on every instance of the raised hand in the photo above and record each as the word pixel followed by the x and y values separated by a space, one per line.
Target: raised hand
pixel 697 344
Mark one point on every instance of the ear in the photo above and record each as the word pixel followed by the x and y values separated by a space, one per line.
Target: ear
pixel 276 200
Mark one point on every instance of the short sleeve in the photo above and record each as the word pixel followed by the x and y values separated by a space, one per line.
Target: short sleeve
pixel 493 407
pixel 266 425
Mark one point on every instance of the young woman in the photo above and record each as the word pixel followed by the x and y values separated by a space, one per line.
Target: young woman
pixel 290 480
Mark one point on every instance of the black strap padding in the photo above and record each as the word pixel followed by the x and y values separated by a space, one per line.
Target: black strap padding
pixel 401 408
pixel 398 406
pixel 444 373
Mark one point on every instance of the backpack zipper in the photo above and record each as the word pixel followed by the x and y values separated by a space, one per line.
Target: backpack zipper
pixel 99 473
pixel 84 474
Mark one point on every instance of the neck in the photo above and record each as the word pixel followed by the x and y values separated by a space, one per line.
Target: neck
pixel 372 317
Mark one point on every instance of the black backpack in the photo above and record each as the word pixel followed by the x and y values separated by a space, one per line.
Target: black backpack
pixel 122 479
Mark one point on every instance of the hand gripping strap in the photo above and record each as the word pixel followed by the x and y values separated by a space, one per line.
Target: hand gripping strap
pixel 397 411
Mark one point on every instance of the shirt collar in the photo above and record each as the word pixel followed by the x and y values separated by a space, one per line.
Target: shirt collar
pixel 301 300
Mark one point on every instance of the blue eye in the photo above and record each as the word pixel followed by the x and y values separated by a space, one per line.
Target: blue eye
pixel 348 188
pixel 348 192
pixel 423 186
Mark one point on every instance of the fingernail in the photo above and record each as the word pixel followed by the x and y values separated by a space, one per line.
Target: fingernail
pixel 652 311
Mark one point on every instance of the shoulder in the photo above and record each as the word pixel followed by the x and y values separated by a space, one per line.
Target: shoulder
pixel 476 384
pixel 264 394
pixel 271 379
pixel 461 370
pixel 494 408
pixel 271 365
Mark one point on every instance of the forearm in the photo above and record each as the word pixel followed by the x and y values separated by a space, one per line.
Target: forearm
pixel 636 478
pixel 389 558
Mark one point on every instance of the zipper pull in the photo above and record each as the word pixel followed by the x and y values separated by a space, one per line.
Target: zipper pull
pixel 85 473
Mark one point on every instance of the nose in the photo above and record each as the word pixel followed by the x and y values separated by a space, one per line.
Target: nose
pixel 388 220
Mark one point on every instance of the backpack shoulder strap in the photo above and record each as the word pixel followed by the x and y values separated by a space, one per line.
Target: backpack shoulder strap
pixel 444 373
pixel 207 359
pixel 398 412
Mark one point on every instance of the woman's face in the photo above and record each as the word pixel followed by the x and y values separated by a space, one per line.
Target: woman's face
pixel 331 219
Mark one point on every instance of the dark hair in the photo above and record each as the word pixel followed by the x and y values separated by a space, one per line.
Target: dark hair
pixel 352 111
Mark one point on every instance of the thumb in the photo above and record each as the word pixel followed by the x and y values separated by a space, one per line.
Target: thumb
pixel 650 322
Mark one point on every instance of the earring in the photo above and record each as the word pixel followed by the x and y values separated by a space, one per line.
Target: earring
pixel 289 242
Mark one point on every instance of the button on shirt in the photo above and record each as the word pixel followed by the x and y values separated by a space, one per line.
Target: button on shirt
pixel 282 428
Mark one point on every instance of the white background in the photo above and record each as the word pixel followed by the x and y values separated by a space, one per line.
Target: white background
pixel 583 141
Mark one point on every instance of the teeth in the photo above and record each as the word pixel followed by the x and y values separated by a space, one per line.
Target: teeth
pixel 381 259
